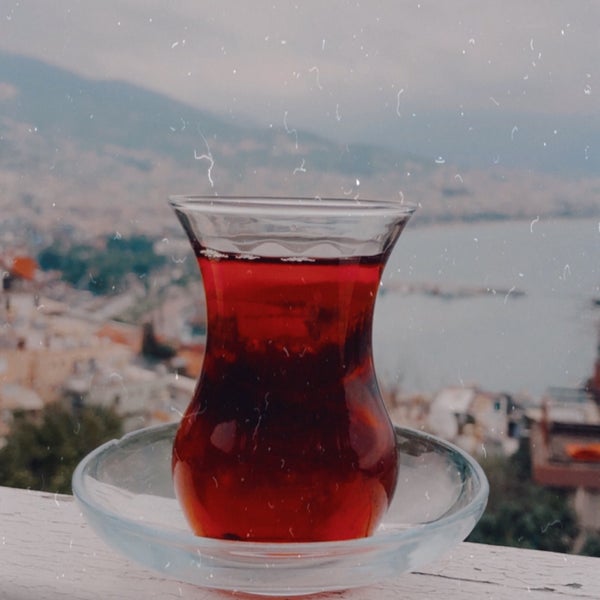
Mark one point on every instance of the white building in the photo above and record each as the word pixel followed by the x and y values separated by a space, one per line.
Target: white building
pixel 480 422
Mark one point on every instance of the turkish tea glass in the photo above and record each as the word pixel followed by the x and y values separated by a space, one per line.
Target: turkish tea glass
pixel 287 438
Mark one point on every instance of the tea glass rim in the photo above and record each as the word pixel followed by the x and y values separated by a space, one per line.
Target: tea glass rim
pixel 297 205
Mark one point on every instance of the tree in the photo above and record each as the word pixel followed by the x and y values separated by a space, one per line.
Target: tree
pixel 43 454
pixel 521 513
pixel 592 545
pixel 152 349
pixel 102 269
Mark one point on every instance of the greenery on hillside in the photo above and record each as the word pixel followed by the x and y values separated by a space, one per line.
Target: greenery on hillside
pixel 102 268
pixel 42 454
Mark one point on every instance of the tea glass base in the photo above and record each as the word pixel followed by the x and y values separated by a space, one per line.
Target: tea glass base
pixel 125 491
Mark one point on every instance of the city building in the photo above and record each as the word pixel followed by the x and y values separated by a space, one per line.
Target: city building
pixel 565 449
pixel 478 421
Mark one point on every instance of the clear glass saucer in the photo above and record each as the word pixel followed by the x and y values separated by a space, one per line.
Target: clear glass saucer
pixel 125 491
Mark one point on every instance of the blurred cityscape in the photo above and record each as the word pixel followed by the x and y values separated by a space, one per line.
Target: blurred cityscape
pixel 137 350
pixel 101 301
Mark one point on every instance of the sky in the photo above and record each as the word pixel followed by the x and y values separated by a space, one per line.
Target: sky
pixel 376 70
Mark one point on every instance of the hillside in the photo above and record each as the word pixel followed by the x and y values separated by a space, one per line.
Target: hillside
pixel 88 157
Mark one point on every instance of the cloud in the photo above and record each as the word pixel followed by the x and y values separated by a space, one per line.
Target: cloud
pixel 337 66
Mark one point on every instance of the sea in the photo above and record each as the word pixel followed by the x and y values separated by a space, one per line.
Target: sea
pixel 508 306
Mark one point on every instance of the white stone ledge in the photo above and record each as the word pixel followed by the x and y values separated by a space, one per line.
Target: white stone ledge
pixel 47 552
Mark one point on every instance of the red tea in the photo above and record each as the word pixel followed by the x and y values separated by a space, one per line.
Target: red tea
pixel 286 438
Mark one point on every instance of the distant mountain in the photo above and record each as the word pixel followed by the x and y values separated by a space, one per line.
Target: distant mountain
pixel 60 103
pixel 82 157
pixel 97 114
pixel 564 144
